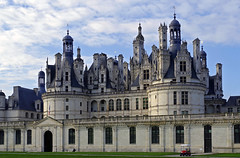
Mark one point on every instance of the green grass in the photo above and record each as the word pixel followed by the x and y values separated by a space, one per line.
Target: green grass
pixel 83 154
pixel 222 155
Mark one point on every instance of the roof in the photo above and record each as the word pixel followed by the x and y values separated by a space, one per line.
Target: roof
pixel 233 101
pixel 2 94
pixel 26 98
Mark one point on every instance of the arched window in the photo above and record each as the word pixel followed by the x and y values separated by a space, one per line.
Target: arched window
pixel 126 104
pixel 108 135
pixel 132 132
pixel 155 135
pixel 18 136
pixel 179 135
pixel 29 136
pixel 119 104
pixel 111 105
pixel 1 137
pixel 71 136
pixel 90 136
pixel 26 114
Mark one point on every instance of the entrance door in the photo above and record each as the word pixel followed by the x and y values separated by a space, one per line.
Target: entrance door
pixel 48 141
pixel 207 139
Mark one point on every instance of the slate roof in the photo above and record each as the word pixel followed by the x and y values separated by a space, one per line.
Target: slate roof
pixel 26 99
pixel 232 101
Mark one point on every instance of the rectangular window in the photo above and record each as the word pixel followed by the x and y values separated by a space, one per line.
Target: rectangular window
pixel 230 110
pixel 66 76
pixel 155 135
pixel 108 135
pixel 111 105
pixel 175 98
pixel 90 80
pixel 237 134
pixel 184 98
pixel 67 116
pixel 132 135
pixel 80 103
pixel 80 112
pixel 29 136
pixel 1 137
pixel 137 104
pixel 71 136
pixel 66 108
pixel 90 136
pixel 18 136
pixel 66 88
pixel 145 74
pixel 102 78
pixel 179 135
pixel 67 99
pixel 183 79
pixel 102 90
pixel 183 66
pixel 145 103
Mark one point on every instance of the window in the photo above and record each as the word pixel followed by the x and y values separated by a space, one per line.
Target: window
pixel 37 106
pixel 18 136
pixel 236 134
pixel 119 104
pixel 137 104
pixel 1 137
pixel 179 135
pixel 230 110
pixel 29 136
pixel 80 103
pixel 126 104
pixel 145 86
pixel 174 112
pixel 111 105
pixel 184 112
pixel 66 88
pixel 184 97
pixel 66 76
pixel 66 108
pixel 67 99
pixel 175 98
pixel 102 78
pixel 102 90
pixel 67 116
pixel 90 136
pixel 71 136
pixel 26 115
pixel 145 103
pixel 32 115
pixel 38 116
pixel 145 74
pixel 80 112
pixel 155 135
pixel 183 79
pixel 183 66
pixel 80 72
pixel 132 135
pixel 108 135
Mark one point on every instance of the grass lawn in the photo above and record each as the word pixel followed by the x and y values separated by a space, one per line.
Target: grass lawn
pixel 83 154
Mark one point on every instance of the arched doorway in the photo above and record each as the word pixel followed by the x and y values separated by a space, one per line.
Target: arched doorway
pixel 48 141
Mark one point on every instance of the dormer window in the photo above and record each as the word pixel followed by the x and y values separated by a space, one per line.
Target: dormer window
pixel 145 74
pixel 183 79
pixel 183 66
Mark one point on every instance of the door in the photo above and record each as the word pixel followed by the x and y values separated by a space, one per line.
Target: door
pixel 48 141
pixel 207 139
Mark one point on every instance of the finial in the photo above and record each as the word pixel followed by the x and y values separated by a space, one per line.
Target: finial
pixel 67 29
pixel 139 29
pixel 174 15
pixel 202 44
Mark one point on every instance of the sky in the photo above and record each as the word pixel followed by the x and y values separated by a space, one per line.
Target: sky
pixel 31 31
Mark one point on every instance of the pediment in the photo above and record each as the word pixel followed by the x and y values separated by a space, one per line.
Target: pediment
pixel 48 121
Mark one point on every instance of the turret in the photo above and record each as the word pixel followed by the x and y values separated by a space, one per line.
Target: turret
pixel 41 82
pixel 162 30
pixel 219 69
pixel 68 48
pixel 175 35
pixel 138 47
pixel 2 100
pixel 203 58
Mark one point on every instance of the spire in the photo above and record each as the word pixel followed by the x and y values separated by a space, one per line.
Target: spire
pixel 67 32
pixel 174 15
pixel 139 29
pixel 78 53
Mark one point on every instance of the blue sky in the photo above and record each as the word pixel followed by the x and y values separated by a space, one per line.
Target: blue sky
pixel 32 30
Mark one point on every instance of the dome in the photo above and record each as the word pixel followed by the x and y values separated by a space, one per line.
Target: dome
pixel 67 37
pixel 41 74
pixel 203 53
pixel 2 94
pixel 175 22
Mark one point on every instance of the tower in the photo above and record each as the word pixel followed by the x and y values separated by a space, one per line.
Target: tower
pixel 175 35
pixel 138 47
pixel 162 30
pixel 41 82
pixel 196 55
pixel 68 49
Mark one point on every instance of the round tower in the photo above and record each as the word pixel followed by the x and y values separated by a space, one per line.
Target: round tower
pixel 175 35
